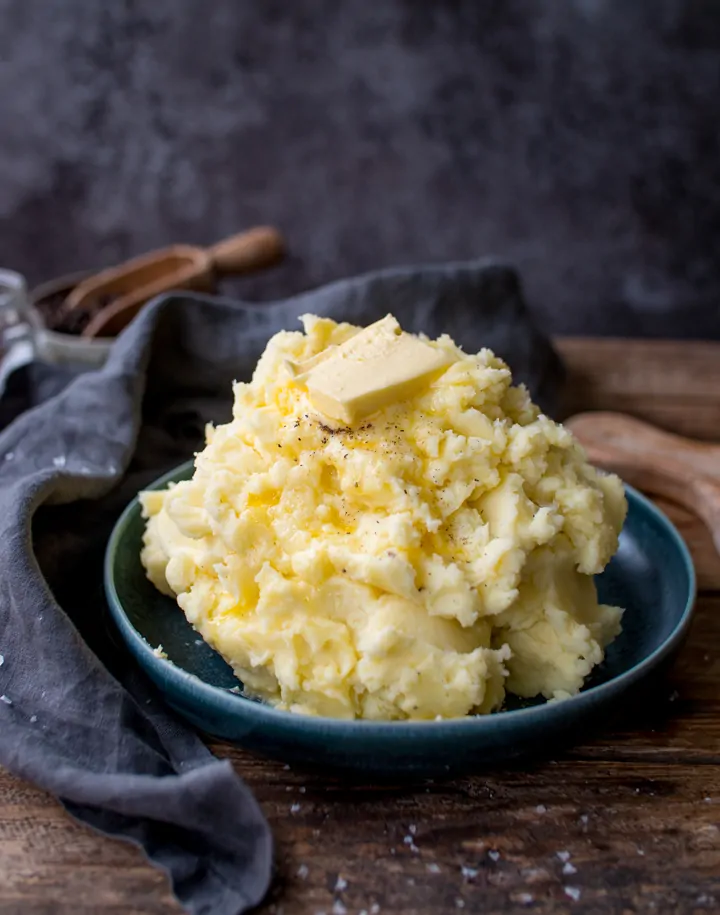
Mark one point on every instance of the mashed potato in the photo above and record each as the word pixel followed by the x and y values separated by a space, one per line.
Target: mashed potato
pixel 416 564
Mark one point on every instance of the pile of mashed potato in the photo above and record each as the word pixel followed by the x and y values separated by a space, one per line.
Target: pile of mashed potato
pixel 416 564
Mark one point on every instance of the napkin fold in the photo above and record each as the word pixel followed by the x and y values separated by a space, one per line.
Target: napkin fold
pixel 76 715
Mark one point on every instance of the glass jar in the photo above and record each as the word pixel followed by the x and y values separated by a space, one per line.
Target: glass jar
pixel 17 327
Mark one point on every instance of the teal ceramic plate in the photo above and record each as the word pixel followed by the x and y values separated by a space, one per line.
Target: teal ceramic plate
pixel 651 576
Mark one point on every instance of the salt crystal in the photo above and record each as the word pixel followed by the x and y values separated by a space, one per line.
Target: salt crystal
pixel 338 908
pixel 374 909
pixel 468 872
pixel 525 898
pixel 707 799
pixel 2 660
pixel 303 871
pixel 302 790
pixel 573 892
pixel 541 808
pixel 6 699
pixel 564 855
pixel 568 868
pixel 408 840
pixel 433 868
pixel 584 818
pixel 33 719
pixel 59 461
pixel 10 455
pixel 495 855
pixel 459 903
pixel 641 852
pixel 340 884
pixel 294 808
pixel 286 768
pixel 412 829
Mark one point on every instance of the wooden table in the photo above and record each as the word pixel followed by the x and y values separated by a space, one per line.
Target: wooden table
pixel 629 822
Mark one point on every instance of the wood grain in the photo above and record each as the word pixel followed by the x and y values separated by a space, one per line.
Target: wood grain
pixel 626 822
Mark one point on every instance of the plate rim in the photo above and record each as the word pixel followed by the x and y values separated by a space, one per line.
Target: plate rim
pixel 236 705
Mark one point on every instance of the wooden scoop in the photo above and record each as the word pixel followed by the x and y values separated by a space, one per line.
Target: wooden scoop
pixel 686 471
pixel 126 288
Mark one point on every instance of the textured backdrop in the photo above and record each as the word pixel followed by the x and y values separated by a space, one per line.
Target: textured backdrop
pixel 579 139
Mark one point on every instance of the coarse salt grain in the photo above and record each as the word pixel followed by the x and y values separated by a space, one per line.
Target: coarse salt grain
pixel 338 908
pixel 303 871
pixel 573 892
pixel 569 868
pixel 494 855
pixel 294 808
pixel 563 855
pixel 340 884
pixel 541 808
pixel 33 719
pixel 468 872
pixel 6 699
pixel 433 868
pixel 525 898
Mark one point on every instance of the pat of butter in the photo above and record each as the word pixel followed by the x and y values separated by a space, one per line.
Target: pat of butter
pixel 372 369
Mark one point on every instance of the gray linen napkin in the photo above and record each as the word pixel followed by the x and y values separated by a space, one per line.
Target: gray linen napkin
pixel 76 716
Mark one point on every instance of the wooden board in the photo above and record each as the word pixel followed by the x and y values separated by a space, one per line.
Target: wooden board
pixel 626 822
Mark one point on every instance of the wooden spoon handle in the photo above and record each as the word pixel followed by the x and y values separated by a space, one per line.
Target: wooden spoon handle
pixel 246 251
pixel 660 462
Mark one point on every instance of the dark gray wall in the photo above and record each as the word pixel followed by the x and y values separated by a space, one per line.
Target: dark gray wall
pixel 579 139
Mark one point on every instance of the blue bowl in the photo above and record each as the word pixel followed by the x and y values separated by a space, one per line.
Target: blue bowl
pixel 652 576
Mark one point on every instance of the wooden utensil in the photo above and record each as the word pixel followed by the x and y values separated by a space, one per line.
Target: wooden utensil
pixel 126 288
pixel 686 471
